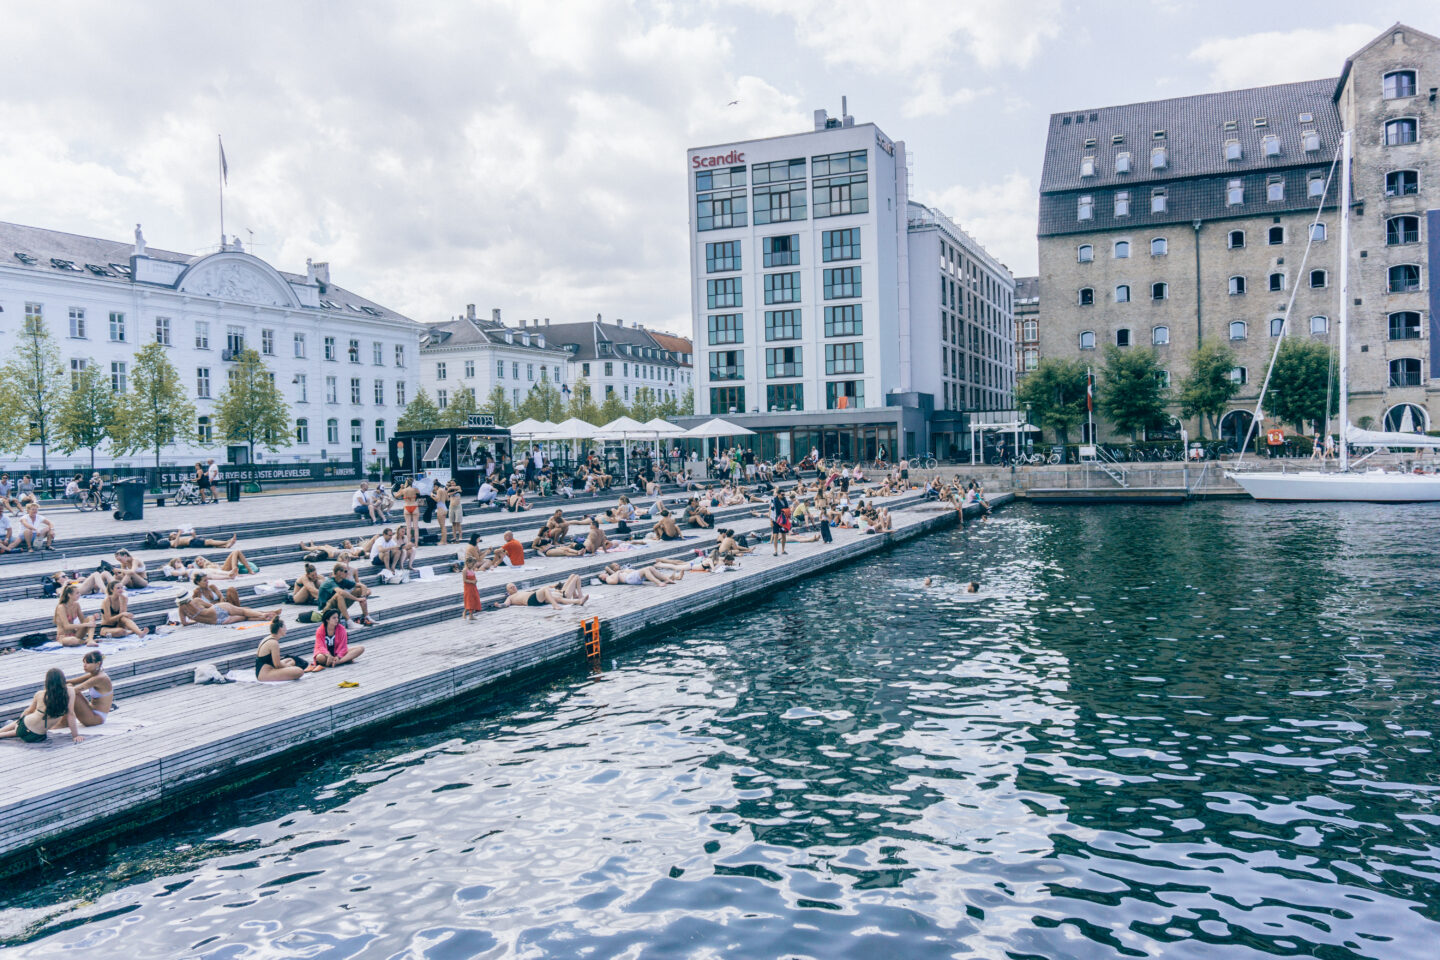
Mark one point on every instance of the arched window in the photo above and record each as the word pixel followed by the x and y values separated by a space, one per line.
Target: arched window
pixel 1160 335
pixel 1159 247
pixel 1087 340
pixel 1317 232
pixel 1236 239
pixel 1122 293
pixel 1407 418
pixel 1239 375
pixel 1087 296
pixel 332 430
pixel 1402 131
pixel 1122 337
pixel 1159 291
pixel 1277 282
pixel 1404 278
pixel 1402 183
pixel 1238 330
pixel 1399 83
pixel 1405 372
pixel 1237 286
pixel 302 431
pixel 1405 325
pixel 1277 326
pixel 1122 249
pixel 1085 253
pixel 1319 278
pixel 1275 235
pixel 1319 326
pixel 1402 230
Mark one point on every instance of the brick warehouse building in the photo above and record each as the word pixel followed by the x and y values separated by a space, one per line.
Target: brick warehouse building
pixel 1170 222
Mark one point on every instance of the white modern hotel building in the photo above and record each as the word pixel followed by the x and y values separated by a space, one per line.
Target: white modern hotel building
pixel 829 310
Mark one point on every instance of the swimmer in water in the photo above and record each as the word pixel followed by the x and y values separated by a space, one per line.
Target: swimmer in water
pixel 972 587
pixel 927 582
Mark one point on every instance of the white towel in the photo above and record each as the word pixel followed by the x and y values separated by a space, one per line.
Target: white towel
pixel 108 646
pixel 248 676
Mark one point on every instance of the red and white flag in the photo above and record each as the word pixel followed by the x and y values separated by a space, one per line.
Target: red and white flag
pixel 1089 390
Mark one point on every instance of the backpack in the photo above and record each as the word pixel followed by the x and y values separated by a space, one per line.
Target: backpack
pixel 48 587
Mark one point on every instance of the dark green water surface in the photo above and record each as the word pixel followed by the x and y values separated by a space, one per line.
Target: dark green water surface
pixel 1196 732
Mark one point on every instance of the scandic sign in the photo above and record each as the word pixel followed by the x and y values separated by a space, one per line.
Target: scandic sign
pixel 719 160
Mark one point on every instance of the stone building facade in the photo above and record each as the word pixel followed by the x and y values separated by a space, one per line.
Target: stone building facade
pixel 1027 324
pixel 1168 223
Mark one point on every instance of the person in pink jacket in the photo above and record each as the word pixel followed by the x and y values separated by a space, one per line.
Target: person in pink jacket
pixel 331 647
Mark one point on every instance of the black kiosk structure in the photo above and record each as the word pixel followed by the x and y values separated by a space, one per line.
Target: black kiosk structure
pixel 460 453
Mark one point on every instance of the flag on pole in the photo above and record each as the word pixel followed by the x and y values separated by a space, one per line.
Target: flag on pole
pixel 1089 390
pixel 224 167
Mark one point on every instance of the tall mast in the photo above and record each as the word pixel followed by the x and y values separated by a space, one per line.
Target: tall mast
pixel 1344 297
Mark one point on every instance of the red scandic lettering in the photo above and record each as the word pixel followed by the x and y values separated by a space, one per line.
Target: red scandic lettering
pixel 734 156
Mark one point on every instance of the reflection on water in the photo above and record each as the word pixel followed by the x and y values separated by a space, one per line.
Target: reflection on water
pixel 1181 732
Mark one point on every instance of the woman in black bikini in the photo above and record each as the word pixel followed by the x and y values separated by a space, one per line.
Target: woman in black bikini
pixel 55 701
pixel 269 664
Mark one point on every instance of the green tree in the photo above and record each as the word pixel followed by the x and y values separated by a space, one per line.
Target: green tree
pixel 87 412
pixel 420 413
pixel 155 411
pixel 543 403
pixel 612 409
pixel 1207 389
pixel 458 410
pixel 667 408
pixel 1302 387
pixel 582 403
pixel 252 407
pixel 1054 392
pixel 687 405
pixel 1132 395
pixel 32 387
pixel 644 405
pixel 498 407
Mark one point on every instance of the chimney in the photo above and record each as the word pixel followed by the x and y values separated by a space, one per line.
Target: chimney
pixel 547 321
pixel 495 314
pixel 821 118
pixel 320 273
pixel 597 318
pixel 845 119
pixel 469 311
pixel 619 322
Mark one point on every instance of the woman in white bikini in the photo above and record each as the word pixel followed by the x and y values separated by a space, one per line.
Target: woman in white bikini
pixel 73 628
pixel 97 693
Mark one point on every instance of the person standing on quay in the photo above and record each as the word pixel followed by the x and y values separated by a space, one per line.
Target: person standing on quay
pixel 779 522
pixel 471 591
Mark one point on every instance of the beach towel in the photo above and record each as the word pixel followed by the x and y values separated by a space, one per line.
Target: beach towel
pixel 248 676
pixel 108 645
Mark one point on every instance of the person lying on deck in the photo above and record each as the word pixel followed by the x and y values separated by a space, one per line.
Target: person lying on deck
pixel 115 619
pixel 73 628
pixel 331 646
pixel 556 596
pixel 185 536
pixel 204 606
pixel 97 692
pixel 270 666
pixel 615 575
pixel 54 702
pixel 328 551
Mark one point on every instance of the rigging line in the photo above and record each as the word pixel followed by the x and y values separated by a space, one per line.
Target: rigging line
pixel 1285 321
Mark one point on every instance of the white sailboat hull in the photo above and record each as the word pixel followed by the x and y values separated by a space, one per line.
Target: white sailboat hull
pixel 1373 487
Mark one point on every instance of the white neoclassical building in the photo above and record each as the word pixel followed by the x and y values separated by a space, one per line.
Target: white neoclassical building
pixel 346 365
pixel 472 353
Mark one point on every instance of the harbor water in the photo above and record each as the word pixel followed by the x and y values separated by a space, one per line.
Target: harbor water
pixel 1183 732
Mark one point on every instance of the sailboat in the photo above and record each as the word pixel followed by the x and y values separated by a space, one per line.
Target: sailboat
pixel 1348 485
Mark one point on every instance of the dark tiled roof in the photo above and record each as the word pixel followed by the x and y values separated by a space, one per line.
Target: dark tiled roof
pixel 1185 202
pixel 463 330
pixel 1195 135
pixel 621 343
pixel 1027 288
pixel 43 245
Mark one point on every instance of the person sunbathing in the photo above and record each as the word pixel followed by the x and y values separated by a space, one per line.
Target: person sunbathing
pixel 595 539
pixel 622 513
pixel 665 528
pixel 556 597
pixel 93 583
pixel 96 691
pixel 560 550
pixel 270 665
pixel 328 551
pixel 115 619
pixel 235 563
pixel 615 575
pixel 54 703
pixel 184 537
pixel 72 627
pixel 197 609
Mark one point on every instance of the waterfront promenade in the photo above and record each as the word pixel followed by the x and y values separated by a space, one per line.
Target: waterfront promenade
pixel 171 740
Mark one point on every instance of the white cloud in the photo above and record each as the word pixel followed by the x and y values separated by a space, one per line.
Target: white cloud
pixel 1000 215
pixel 931 100
pixel 1258 59
pixel 902 35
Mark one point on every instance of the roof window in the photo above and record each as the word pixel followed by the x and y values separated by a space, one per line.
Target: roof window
pixel 1311 140
pixel 1271 146
pixel 1233 150
pixel 1232 125
pixel 1261 122
pixel 1307 118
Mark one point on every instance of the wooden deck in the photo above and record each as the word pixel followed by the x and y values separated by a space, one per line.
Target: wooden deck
pixel 168 745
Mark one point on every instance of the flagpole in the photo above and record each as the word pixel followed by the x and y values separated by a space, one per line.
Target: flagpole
pixel 221 143
pixel 1090 400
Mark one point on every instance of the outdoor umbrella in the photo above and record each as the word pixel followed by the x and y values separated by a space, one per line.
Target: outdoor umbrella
pixel 622 429
pixel 717 427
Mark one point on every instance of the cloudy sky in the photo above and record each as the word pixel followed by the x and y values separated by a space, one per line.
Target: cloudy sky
pixel 531 155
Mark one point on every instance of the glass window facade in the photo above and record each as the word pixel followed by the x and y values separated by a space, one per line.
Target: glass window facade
pixel 782 287
pixel 727 365
pixel 720 199
pixel 840 244
pixel 845 395
pixel 724 328
pixel 782 362
pixel 844 358
pixel 723 256
pixel 841 184
pixel 727 400
pixel 844 321
pixel 724 293
pixel 841 282
pixel 781 251
pixel 782 324
pixel 785 396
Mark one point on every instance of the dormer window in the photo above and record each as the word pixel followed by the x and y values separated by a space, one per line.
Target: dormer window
pixel 1311 141
pixel 1122 203
pixel 1233 150
pixel 1274 190
pixel 1315 186
pixel 1159 158
pixel 1087 167
pixel 1122 162
pixel 1261 122
pixel 1085 209
pixel 1235 193
pixel 1232 125
pixel 1271 146
pixel 1157 200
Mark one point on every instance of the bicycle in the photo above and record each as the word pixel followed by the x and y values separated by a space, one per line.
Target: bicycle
pixel 91 500
pixel 187 494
